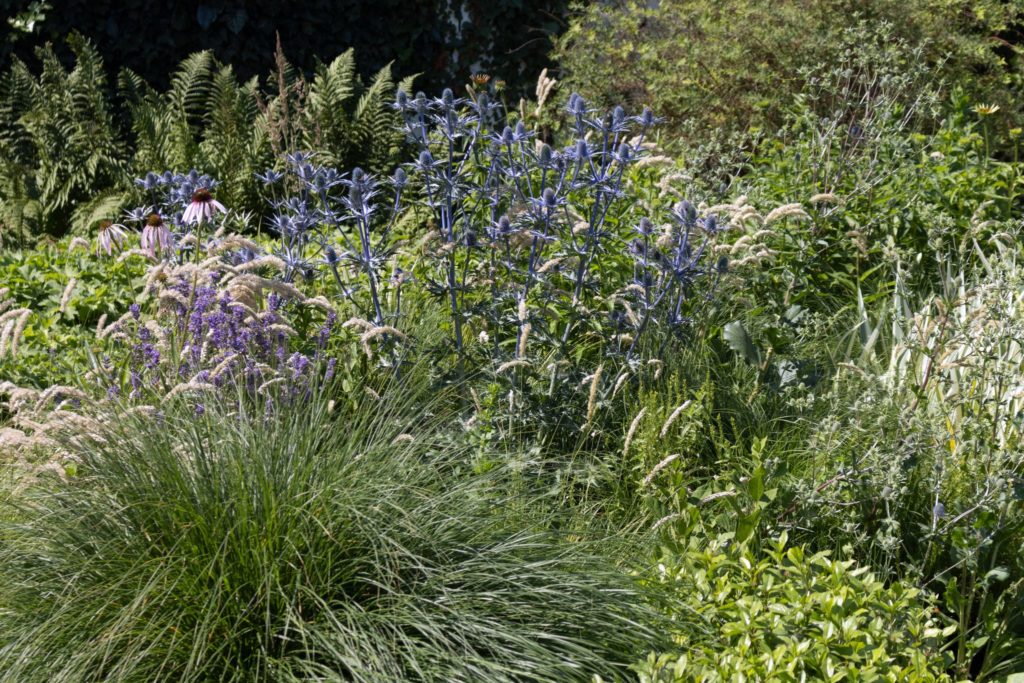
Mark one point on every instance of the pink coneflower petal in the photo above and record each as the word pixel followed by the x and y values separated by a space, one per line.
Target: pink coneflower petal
pixel 202 207
pixel 110 235
pixel 155 236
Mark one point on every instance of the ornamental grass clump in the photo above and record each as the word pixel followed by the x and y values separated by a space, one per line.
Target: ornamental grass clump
pixel 312 542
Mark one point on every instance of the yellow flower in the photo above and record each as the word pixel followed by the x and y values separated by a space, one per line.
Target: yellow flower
pixel 986 109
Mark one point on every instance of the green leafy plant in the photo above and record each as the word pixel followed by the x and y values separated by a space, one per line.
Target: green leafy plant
pixel 70 152
pixel 785 614
pixel 60 148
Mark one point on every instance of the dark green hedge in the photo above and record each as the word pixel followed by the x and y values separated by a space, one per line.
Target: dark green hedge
pixel 508 38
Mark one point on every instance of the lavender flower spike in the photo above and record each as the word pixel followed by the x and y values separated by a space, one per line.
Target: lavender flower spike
pixel 202 207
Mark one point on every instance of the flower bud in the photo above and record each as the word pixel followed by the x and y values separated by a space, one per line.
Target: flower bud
pixel 545 155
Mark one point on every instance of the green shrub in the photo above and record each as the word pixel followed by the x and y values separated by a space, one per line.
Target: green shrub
pixel 301 544
pixel 737 65
pixel 787 615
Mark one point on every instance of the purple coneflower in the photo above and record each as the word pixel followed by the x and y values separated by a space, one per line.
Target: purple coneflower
pixel 110 235
pixel 202 207
pixel 156 236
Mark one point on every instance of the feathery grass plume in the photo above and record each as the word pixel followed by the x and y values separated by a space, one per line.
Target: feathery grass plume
pixel 13 322
pixel 5 336
pixel 224 365
pixel 189 387
pixel 173 295
pixel 658 468
pixel 48 393
pixel 214 264
pixel 524 336
pixel 320 302
pixel 65 298
pixel 403 438
pixel 595 382
pixel 378 331
pixel 243 306
pixel 620 381
pixel 142 410
pixel 512 364
pixel 18 397
pixel 13 439
pixel 716 496
pixel 545 85
pixel 635 288
pixel 672 418
pixel 358 323
pixel 78 243
pixel 258 283
pixel 281 328
pixel 747 214
pixel 154 274
pixel 235 241
pixel 786 211
pixel 825 198
pixel 103 333
pixel 665 520
pixel 658 367
pixel 270 383
pixel 665 185
pixel 550 265
pixel 128 253
pixel 655 160
pixel 722 209
pixel 738 245
pixel 632 430
pixel 301 544
pixel 272 261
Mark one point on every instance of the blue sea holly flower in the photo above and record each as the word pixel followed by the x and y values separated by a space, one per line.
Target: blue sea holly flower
pixel 399 179
pixel 270 177
pixel 150 182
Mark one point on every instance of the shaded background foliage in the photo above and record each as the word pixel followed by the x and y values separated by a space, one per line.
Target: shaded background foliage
pixel 442 39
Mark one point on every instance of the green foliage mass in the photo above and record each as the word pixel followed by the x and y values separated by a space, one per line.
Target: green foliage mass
pixel 788 615
pixel 68 291
pixel 819 477
pixel 714 68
